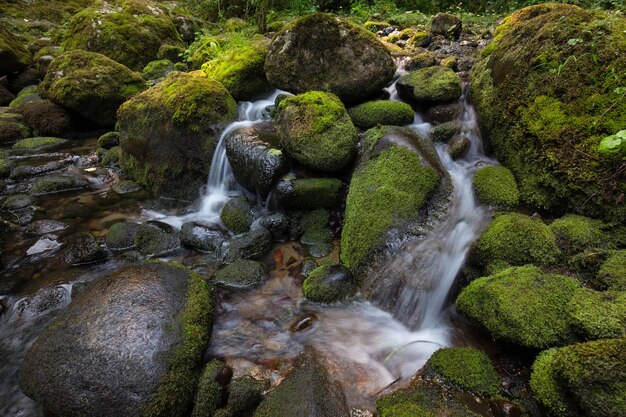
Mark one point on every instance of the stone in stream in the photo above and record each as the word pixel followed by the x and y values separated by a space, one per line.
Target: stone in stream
pixel 327 284
pixel 13 128
pixel 43 227
pixel 242 273
pixel 17 202
pixel 83 250
pixel 445 131
pixel 109 140
pixel 496 186
pixel 121 236
pixel 156 238
pixel 446 24
pixel 212 387
pixel 308 193
pixel 256 161
pixel 325 52
pixel 252 244
pixel 381 112
pixel 27 171
pixel 237 214
pixel 132 340
pixel 39 143
pixel 430 86
pixel 205 238
pixel 315 234
pixel 51 184
pixel 6 166
pixel 126 187
pixel 277 224
pixel 46 118
pixel 458 146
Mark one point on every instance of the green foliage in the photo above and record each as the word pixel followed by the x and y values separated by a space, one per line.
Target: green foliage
pixel 522 305
pixel 209 394
pixel 614 145
pixel 430 85
pixel 381 112
pixel 612 273
pixel 545 386
pixel 495 185
pixel 598 315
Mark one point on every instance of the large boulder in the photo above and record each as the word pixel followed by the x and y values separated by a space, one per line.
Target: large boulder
pixel 324 52
pixel 546 96
pixel 46 118
pixel 13 56
pixel 90 84
pixel 167 133
pixel 430 86
pixel 132 340
pixel 127 31
pixel 315 129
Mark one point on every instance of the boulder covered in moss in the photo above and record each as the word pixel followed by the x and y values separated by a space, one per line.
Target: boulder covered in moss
pixel 517 239
pixel 446 24
pixel 308 193
pixel 430 86
pixel 137 359
pixel 522 305
pixel 496 186
pixel 327 53
pixel 582 379
pixel 51 184
pixel 39 143
pixel 90 84
pixel 211 388
pixel 243 273
pixel 314 128
pixel 13 55
pixel 237 214
pixel 577 233
pixel 205 238
pixel 46 118
pixel 168 133
pixel 598 314
pixel 546 96
pixel 156 238
pixel 327 284
pixel 127 31
pixel 250 245
pixel 397 176
pixel 241 69
pixel 27 94
pixel 612 273
pixel 13 128
pixel 6 165
pixel 121 236
pixel 381 112
pixel 157 70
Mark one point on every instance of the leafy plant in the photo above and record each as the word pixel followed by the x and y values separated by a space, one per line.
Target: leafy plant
pixel 614 145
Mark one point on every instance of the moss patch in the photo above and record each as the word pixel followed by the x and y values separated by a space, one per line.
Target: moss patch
pixel 327 284
pixel 496 186
pixel 242 273
pixel 576 233
pixel 612 273
pixel 210 392
pixel 381 112
pixel 598 315
pixel 39 143
pixel 237 214
pixel 431 85
pixel 308 193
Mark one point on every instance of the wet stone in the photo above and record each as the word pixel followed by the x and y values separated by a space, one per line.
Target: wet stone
pixel 253 244
pixel 42 227
pixel 458 146
pixel 156 238
pixel 444 112
pixel 59 183
pixel 26 171
pixel 242 273
pixel 83 250
pixel 202 237
pixel 121 236
pixel 277 224
pixel 127 187
pixel 17 202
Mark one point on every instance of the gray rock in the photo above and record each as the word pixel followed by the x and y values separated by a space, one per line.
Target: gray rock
pixel 59 183
pixel 155 238
pixel 444 112
pixel 458 146
pixel 43 227
pixel 27 171
pixel 121 236
pixel 446 24
pixel 83 250
pixel 17 202
pixel 203 238
pixel 242 273
pixel 253 244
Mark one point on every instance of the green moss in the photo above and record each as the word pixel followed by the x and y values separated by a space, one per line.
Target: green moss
pixel 403 35
pixel 6 165
pixel 405 410
pixel 210 392
pixel 13 55
pixel 421 60
pixel 545 386
pixel 237 214
pixel 375 26
pixel 432 85
pixel 127 31
pixel 157 69
pixel 319 288
pixel 315 129
pixel 612 273
pixel 546 122
pixel 315 232
pixel 576 233
pixel 450 62
pixel 308 193
pixel 598 315
pixel 121 236
pixel 241 69
pixel 39 143
pixel 26 95
pixel 466 367
pixel 522 305
pixel 381 112
pixel 242 273
pixel 173 53
pixel 58 184
pixel 517 239
pixel 112 157
pixel 495 185
pixel 153 241
pixel 176 388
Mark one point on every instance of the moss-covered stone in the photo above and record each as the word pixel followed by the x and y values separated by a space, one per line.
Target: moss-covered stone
pixel 127 31
pixel 496 186
pixel 315 233
pixel 121 236
pixel 17 202
pixel 443 132
pixel 244 395
pixel 517 239
pixel 6 165
pixel 242 273
pixel 39 143
pixel 109 140
pixel 576 233
pixel 421 60
pixel 315 129
pixel 598 315
pixel 154 239
pixel 157 70
pixel 90 84
pixel 381 112
pixel 13 55
pixel 612 273
pixel 241 69
pixel 27 94
pixel 582 379
pixel 253 244
pixel 387 190
pixel 429 86
pixel 308 193
pixel 451 62
pixel 467 368
pixel 327 284
pixel 209 47
pixel 210 393
pixel 545 123
pixel 173 53
pixel 522 305
pixel 237 214
pixel 58 184
pixel 375 26
pixel 46 118
pixel 167 133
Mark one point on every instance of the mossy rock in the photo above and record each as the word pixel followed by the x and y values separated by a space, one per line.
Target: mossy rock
pixel 244 395
pixel 522 305
pixel 598 315
pixel 52 184
pixel 46 118
pixel 157 70
pixel 496 186
pixel 421 60
pixel 430 86
pixel 209 47
pixel 315 233
pixel 6 165
pixel 582 379
pixel 242 273
pixel 517 239
pixel 109 140
pixel 466 367
pixel 308 193
pixel 211 389
pixel 156 238
pixel 90 84
pixel 27 94
pixel 126 187
pixel 121 236
pixel 375 26
pixel 13 55
pixel 328 284
pixel 253 244
pixel 451 62
pixel 577 233
pixel 241 69
pixel 381 112
pixel 546 121
pixel 388 189
pixel 39 143
pixel 237 214
pixel 401 35
pixel 167 133
pixel 127 31
pixel 323 52
pixel 612 273
pixel 13 128
pixel 315 129
pixel 17 202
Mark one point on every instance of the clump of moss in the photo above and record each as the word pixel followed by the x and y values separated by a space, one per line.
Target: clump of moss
pixel 242 273
pixel 522 305
pixel 13 127
pixel 495 185
pixel 598 315
pixel 381 112
pixel 6 165
pixel 375 26
pixel 26 95
pixel 157 70
pixel 576 233
pixel 466 367
pixel 152 240
pixel 545 386
pixel 315 233
pixel 315 129
pixel 308 193
pixel 517 239
pixel 210 393
pixel 443 132
pixel 39 143
pixel 327 284
pixel 421 60
pixel 241 69
pixel 121 236
pixel 13 55
pixel 237 214
pixel 59 183
pixel 612 273
pixel 431 85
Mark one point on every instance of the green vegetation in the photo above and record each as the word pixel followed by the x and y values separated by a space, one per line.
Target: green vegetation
pixel 598 315
pixel 315 232
pixel 495 185
pixel 522 305
pixel 39 143
pixel 381 112
pixel 612 273
pixel 237 214
pixel 431 85
pixel 545 385
pixel 209 394
pixel 157 70
pixel 26 95
pixel 242 273
pixel 576 233
pixel 6 165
